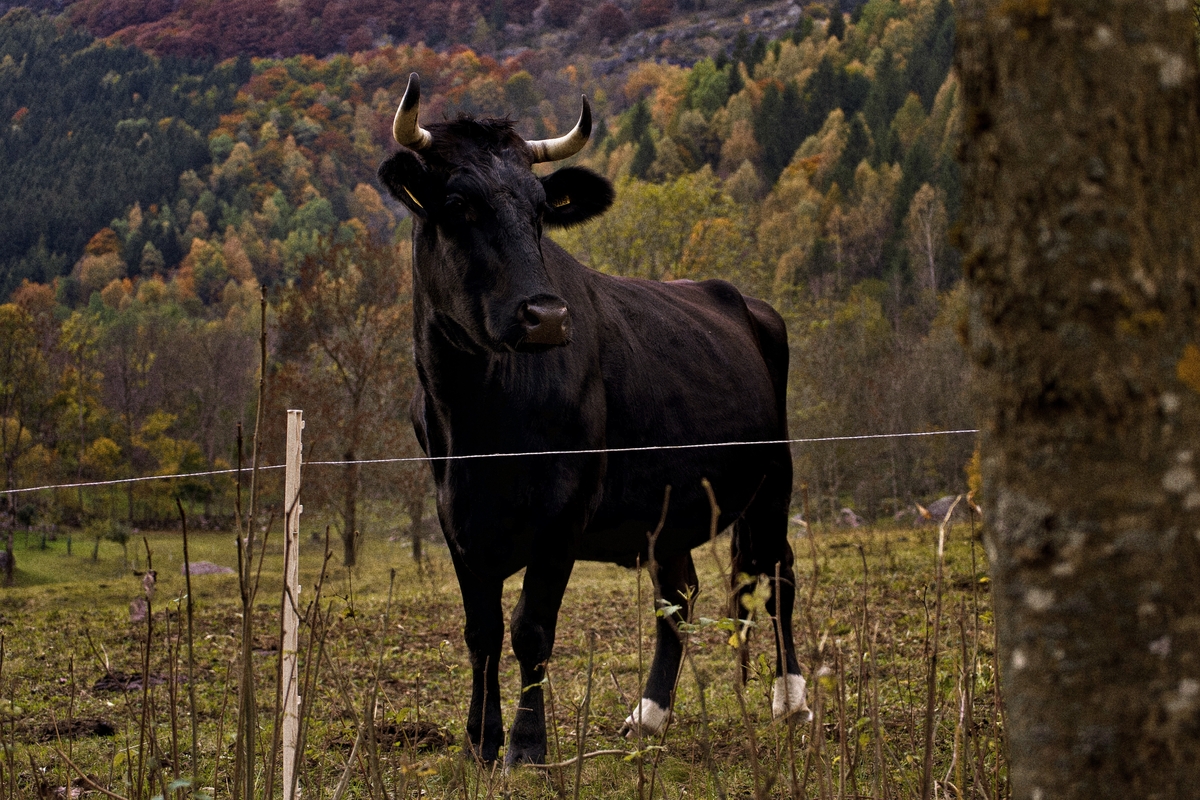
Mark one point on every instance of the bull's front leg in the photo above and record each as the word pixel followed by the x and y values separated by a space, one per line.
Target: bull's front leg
pixel 676 585
pixel 484 634
pixel 533 626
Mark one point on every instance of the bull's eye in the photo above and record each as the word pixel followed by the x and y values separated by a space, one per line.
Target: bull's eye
pixel 456 207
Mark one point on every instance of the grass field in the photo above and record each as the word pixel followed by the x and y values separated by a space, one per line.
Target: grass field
pixel 867 608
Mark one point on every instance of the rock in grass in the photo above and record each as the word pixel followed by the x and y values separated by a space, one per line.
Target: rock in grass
pixel 206 568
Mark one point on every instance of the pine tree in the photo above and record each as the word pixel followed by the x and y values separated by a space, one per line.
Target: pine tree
pixel 643 157
pixel 858 147
pixel 837 25
pixel 803 29
pixel 886 95
pixel 736 84
pixel 637 123
pixel 931 60
pixel 775 127
pixel 917 169
pixel 758 52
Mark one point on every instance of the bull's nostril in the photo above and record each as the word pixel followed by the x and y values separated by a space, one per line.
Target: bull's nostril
pixel 545 323
pixel 529 316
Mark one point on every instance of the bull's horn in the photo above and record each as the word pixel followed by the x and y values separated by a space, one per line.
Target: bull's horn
pixel 405 127
pixel 564 146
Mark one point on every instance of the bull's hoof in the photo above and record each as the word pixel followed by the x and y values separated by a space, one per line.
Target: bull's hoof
pixel 647 719
pixel 788 698
pixel 488 752
pixel 518 754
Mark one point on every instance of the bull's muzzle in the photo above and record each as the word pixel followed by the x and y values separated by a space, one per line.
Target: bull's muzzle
pixel 546 322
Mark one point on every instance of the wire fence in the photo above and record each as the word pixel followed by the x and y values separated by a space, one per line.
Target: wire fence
pixel 476 456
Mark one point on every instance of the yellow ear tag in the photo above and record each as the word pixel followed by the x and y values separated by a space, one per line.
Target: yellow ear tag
pixel 564 201
pixel 412 197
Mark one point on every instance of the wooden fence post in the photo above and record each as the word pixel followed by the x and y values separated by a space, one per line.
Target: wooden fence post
pixel 291 603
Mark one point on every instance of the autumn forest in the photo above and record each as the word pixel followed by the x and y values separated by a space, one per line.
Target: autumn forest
pixel 168 167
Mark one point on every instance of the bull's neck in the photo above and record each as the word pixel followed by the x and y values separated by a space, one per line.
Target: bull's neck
pixel 448 360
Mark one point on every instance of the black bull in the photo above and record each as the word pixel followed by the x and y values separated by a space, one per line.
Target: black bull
pixel 519 347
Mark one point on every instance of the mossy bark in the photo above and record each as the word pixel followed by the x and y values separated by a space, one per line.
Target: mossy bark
pixel 1082 236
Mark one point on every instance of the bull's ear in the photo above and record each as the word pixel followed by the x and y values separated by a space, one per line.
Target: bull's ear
pixel 575 195
pixel 409 181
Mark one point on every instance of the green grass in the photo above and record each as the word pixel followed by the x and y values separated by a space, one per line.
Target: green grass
pixel 69 617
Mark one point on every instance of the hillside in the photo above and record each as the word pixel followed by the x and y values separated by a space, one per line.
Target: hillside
pixel 812 166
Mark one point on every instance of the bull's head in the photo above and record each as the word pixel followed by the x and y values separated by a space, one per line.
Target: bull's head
pixel 480 211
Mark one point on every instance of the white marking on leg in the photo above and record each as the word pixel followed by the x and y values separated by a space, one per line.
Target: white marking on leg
pixel 648 717
pixel 788 698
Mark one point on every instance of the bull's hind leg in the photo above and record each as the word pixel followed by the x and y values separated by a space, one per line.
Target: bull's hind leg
pixel 533 624
pixel 760 547
pixel 676 586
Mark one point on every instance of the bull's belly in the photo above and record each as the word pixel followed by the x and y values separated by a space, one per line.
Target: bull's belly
pixel 627 543
pixel 633 499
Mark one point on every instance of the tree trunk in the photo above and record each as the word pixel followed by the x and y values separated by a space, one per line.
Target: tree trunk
pixel 416 517
pixel 10 559
pixel 1081 171
pixel 350 512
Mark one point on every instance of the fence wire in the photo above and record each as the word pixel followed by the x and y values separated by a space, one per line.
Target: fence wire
pixel 474 456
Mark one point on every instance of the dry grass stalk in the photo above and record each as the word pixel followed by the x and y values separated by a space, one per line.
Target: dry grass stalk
pixel 844 776
pixel 144 734
pixel 581 738
pixel 318 631
pixel 191 658
pixel 247 717
pixel 372 705
pixel 881 782
pixel 931 680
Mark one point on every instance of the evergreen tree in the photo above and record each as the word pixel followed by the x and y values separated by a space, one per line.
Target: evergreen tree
pixel 643 157
pixel 736 84
pixel 916 170
pixel 930 62
pixel 741 47
pixel 886 95
pixel 858 147
pixel 758 52
pixel 888 148
pixel 803 29
pixel 775 127
pixel 837 25
pixel 820 97
pixel 636 124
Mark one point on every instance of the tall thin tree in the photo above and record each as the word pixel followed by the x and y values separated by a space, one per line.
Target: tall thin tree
pixel 346 330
